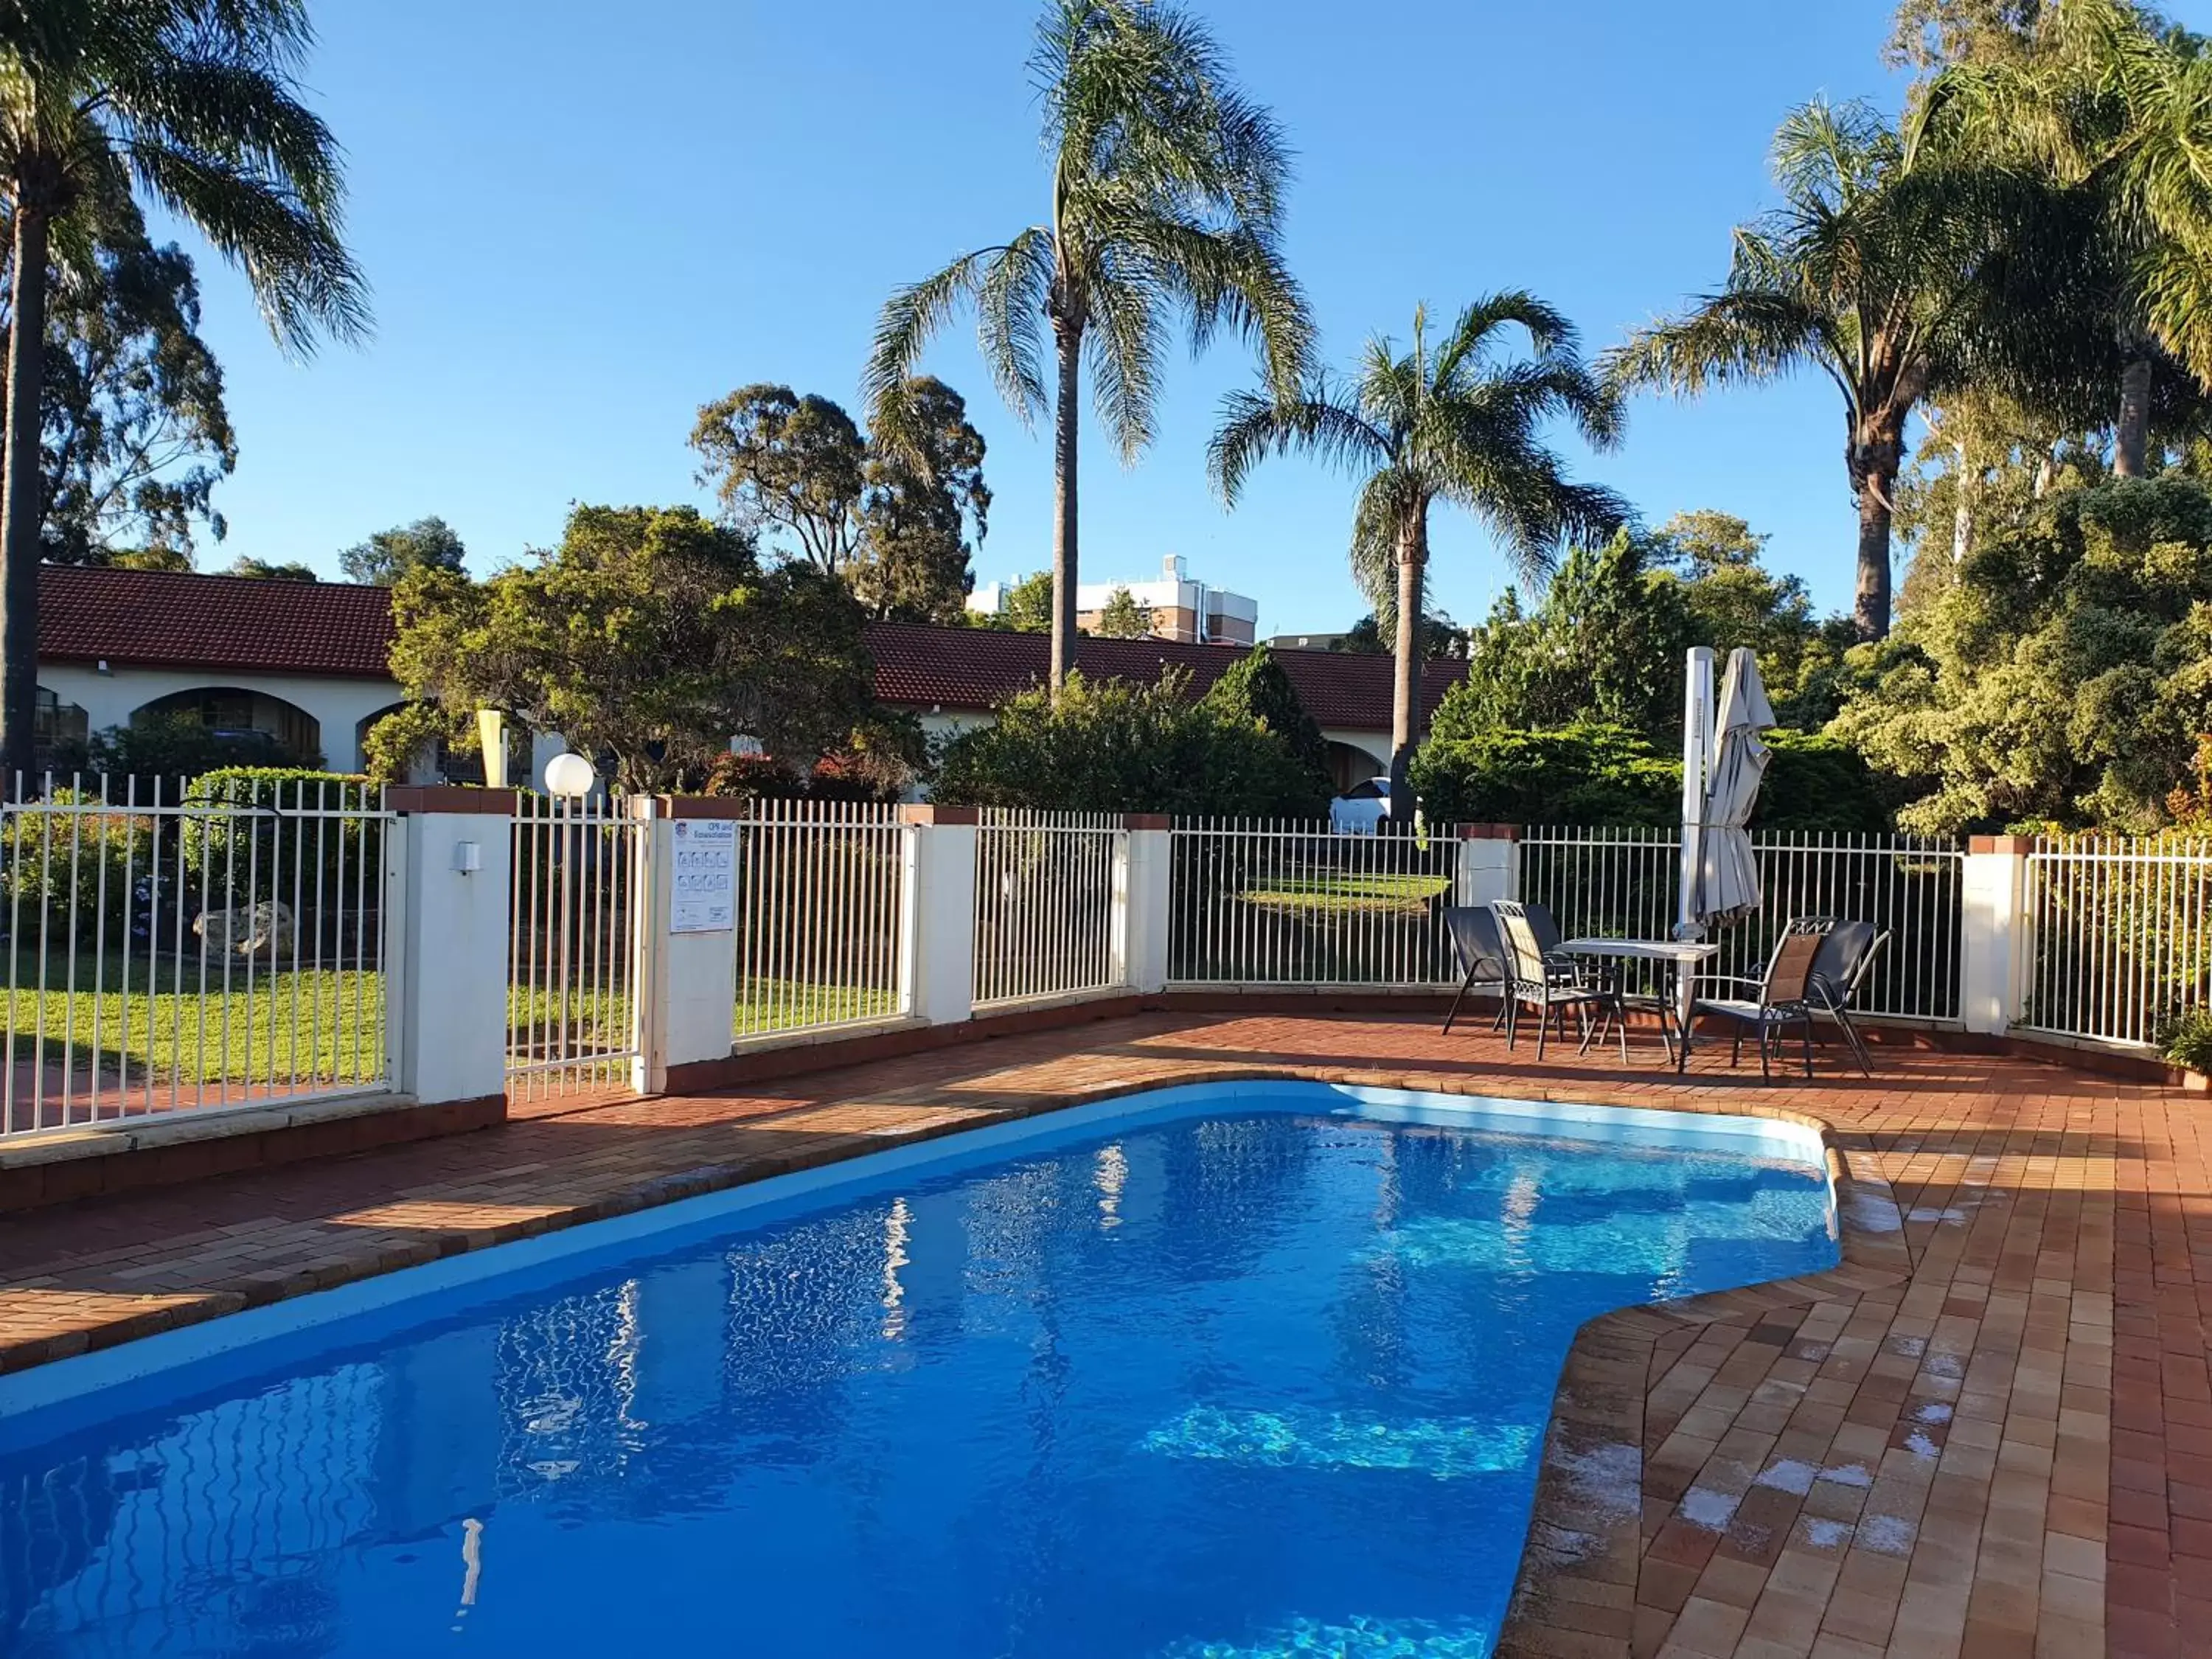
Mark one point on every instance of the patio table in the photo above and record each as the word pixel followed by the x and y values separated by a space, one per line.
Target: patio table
pixel 1685 953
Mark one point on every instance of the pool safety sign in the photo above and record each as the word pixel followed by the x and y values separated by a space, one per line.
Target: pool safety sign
pixel 703 896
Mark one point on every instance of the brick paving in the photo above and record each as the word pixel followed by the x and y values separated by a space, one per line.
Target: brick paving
pixel 1988 1433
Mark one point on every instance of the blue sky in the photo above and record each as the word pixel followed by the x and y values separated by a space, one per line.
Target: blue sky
pixel 581 225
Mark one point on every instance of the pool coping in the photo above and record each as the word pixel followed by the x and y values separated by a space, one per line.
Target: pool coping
pixel 1583 1553
pixel 1575 1589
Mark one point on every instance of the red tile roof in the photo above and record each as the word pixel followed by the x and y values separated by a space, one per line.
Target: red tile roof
pixel 971 669
pixel 152 618
pixel 144 618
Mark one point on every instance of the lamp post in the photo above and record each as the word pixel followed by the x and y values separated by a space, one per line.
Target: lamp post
pixel 568 778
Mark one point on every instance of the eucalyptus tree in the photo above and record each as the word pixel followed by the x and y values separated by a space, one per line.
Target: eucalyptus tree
pixel 1166 200
pixel 1888 274
pixel 194 106
pixel 1460 422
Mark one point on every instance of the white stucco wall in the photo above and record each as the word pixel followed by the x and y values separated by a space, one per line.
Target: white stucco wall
pixel 338 704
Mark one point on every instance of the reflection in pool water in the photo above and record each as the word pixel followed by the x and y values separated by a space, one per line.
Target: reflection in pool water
pixel 1247 1386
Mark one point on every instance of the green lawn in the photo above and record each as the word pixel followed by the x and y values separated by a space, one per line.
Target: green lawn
pixel 326 1024
pixel 773 1004
pixel 1334 893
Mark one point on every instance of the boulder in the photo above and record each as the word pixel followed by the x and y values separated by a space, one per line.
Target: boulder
pixel 262 930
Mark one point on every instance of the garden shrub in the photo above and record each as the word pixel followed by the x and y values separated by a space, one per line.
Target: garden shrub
pixel 1608 776
pixel 2187 1041
pixel 67 871
pixel 168 747
pixel 1256 688
pixel 1587 774
pixel 245 855
pixel 1115 746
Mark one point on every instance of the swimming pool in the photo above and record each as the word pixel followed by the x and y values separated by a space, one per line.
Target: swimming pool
pixel 1220 1373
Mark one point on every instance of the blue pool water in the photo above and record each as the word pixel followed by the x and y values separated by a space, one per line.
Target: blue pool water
pixel 1266 1381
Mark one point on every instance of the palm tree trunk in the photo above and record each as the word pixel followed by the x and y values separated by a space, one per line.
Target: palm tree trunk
pixel 2131 433
pixel 1405 689
pixel 1870 610
pixel 1065 422
pixel 20 504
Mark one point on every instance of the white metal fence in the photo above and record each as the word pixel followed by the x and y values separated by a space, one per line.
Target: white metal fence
pixel 1627 883
pixel 1272 902
pixel 178 947
pixel 821 885
pixel 1046 885
pixel 573 975
pixel 2119 936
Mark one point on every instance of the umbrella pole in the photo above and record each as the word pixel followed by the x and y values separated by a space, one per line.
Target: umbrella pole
pixel 1697 758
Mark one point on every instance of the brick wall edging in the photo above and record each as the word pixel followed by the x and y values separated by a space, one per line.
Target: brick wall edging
pixel 133 1169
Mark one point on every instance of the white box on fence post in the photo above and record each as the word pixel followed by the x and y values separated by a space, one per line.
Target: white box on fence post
pixel 688 912
pixel 937 925
pixel 1489 864
pixel 1993 933
pixel 452 888
pixel 1143 900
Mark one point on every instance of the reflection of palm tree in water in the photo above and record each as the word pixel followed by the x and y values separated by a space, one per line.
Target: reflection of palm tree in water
pixel 52 1523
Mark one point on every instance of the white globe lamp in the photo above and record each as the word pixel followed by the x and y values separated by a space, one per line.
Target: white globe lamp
pixel 570 775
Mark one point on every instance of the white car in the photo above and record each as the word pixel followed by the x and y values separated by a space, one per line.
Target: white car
pixel 1360 810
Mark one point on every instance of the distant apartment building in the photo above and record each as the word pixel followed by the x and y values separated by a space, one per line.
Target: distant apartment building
pixel 1187 611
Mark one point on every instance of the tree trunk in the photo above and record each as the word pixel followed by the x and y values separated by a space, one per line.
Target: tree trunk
pixel 19 505
pixel 1065 421
pixel 1962 514
pixel 2131 433
pixel 1405 691
pixel 1870 611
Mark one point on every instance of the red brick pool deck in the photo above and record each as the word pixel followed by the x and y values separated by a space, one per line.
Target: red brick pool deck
pixel 1988 1433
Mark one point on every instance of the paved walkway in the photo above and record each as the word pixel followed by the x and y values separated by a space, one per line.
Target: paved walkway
pixel 1989 1433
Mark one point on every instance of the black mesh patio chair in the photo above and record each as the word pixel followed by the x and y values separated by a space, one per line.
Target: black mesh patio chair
pixel 1839 969
pixel 1549 986
pixel 1783 999
pixel 1479 955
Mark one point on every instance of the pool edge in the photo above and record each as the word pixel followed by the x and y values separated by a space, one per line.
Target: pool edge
pixel 1581 1558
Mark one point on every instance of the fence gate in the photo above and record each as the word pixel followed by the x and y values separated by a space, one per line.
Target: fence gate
pixel 572 965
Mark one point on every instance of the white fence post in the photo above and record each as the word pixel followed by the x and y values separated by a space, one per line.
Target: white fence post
pixel 1142 900
pixel 1993 933
pixel 1489 864
pixel 937 921
pixel 449 981
pixel 689 978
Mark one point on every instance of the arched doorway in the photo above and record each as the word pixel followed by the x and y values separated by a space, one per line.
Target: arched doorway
pixel 253 720
pixel 1351 766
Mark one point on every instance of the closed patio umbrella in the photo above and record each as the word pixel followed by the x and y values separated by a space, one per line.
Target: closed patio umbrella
pixel 1724 875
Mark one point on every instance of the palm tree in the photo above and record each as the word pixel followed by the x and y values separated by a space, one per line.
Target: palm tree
pixel 1458 423
pixel 2118 108
pixel 192 103
pixel 1167 191
pixel 1885 276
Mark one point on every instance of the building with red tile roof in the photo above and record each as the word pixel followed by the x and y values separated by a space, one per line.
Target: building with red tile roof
pixel 308 662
